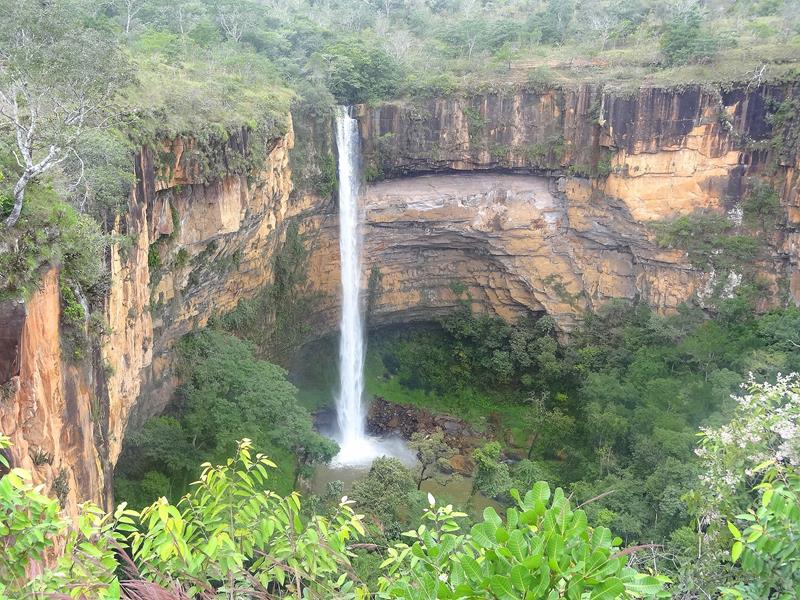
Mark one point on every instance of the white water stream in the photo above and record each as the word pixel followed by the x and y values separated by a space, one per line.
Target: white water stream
pixel 356 447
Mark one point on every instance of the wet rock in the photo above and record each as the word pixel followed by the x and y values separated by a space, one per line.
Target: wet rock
pixel 389 418
pixel 461 464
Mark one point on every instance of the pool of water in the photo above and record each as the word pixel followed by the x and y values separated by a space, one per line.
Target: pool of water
pixel 456 489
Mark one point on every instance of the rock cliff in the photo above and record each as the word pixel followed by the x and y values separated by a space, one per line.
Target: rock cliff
pixel 593 172
pixel 533 201
pixel 48 405
pixel 517 242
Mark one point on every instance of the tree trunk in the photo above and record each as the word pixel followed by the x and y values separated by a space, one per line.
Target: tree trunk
pixel 421 477
pixel 19 195
pixel 533 443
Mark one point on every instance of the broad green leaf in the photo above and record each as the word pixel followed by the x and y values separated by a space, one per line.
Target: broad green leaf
pixel 734 530
pixel 608 590
pixel 501 587
pixel 736 551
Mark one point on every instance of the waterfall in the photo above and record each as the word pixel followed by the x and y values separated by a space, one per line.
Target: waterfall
pixel 356 448
pixel 349 407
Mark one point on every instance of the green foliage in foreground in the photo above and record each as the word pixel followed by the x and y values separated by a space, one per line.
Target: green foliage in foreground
pixel 231 537
pixel 769 545
pixel 32 527
pixel 619 415
pixel 543 549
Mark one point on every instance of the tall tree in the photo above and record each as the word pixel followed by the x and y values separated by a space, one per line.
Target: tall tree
pixel 546 426
pixel 491 476
pixel 57 80
pixel 432 450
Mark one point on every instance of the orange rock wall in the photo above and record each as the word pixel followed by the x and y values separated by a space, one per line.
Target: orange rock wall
pixel 557 220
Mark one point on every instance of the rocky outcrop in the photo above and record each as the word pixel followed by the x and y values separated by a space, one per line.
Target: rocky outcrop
pixel 616 164
pixel 190 250
pixel 518 243
pixel 521 201
pixel 48 405
pixel 386 418
pixel 199 248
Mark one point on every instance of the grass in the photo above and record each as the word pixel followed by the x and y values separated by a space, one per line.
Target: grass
pixel 221 90
pixel 626 69
pixel 481 409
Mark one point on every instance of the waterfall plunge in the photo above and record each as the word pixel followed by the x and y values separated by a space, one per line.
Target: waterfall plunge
pixel 356 447
pixel 349 408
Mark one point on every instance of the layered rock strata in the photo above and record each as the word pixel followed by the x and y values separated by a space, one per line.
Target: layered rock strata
pixel 557 220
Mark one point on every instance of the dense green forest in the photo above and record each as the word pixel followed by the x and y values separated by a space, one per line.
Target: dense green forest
pixel 229 538
pixel 612 417
pixel 642 456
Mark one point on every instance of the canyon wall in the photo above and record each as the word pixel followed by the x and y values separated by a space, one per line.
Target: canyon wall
pixel 526 201
pixel 48 404
pixel 610 168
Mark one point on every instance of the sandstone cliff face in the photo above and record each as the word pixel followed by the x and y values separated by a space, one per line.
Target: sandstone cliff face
pixel 535 201
pixel 199 248
pixel 661 152
pixel 620 163
pixel 47 406
pixel 191 249
pixel 518 243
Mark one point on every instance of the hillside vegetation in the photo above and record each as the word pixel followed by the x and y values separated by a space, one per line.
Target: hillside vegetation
pixel 647 456
pixel 231 537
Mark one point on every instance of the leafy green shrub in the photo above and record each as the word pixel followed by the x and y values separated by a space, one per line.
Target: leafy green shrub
pixel 6 198
pixel 35 533
pixel 767 545
pixel 327 182
pixel 359 72
pixel 491 477
pixel 542 549
pixel 230 532
pixel 181 258
pixel 73 324
pixel 708 241
pixel 153 258
pixel 72 313
pixel 762 206
pixel 475 122
pixel 685 40
pixel 750 477
pixel 388 493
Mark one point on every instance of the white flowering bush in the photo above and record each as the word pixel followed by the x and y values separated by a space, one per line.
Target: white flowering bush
pixel 764 431
pixel 748 497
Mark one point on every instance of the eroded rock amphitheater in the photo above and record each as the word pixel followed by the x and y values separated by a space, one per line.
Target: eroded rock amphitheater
pixel 519 201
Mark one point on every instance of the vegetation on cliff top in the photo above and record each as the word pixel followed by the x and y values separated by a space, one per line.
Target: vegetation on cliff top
pixel 102 78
